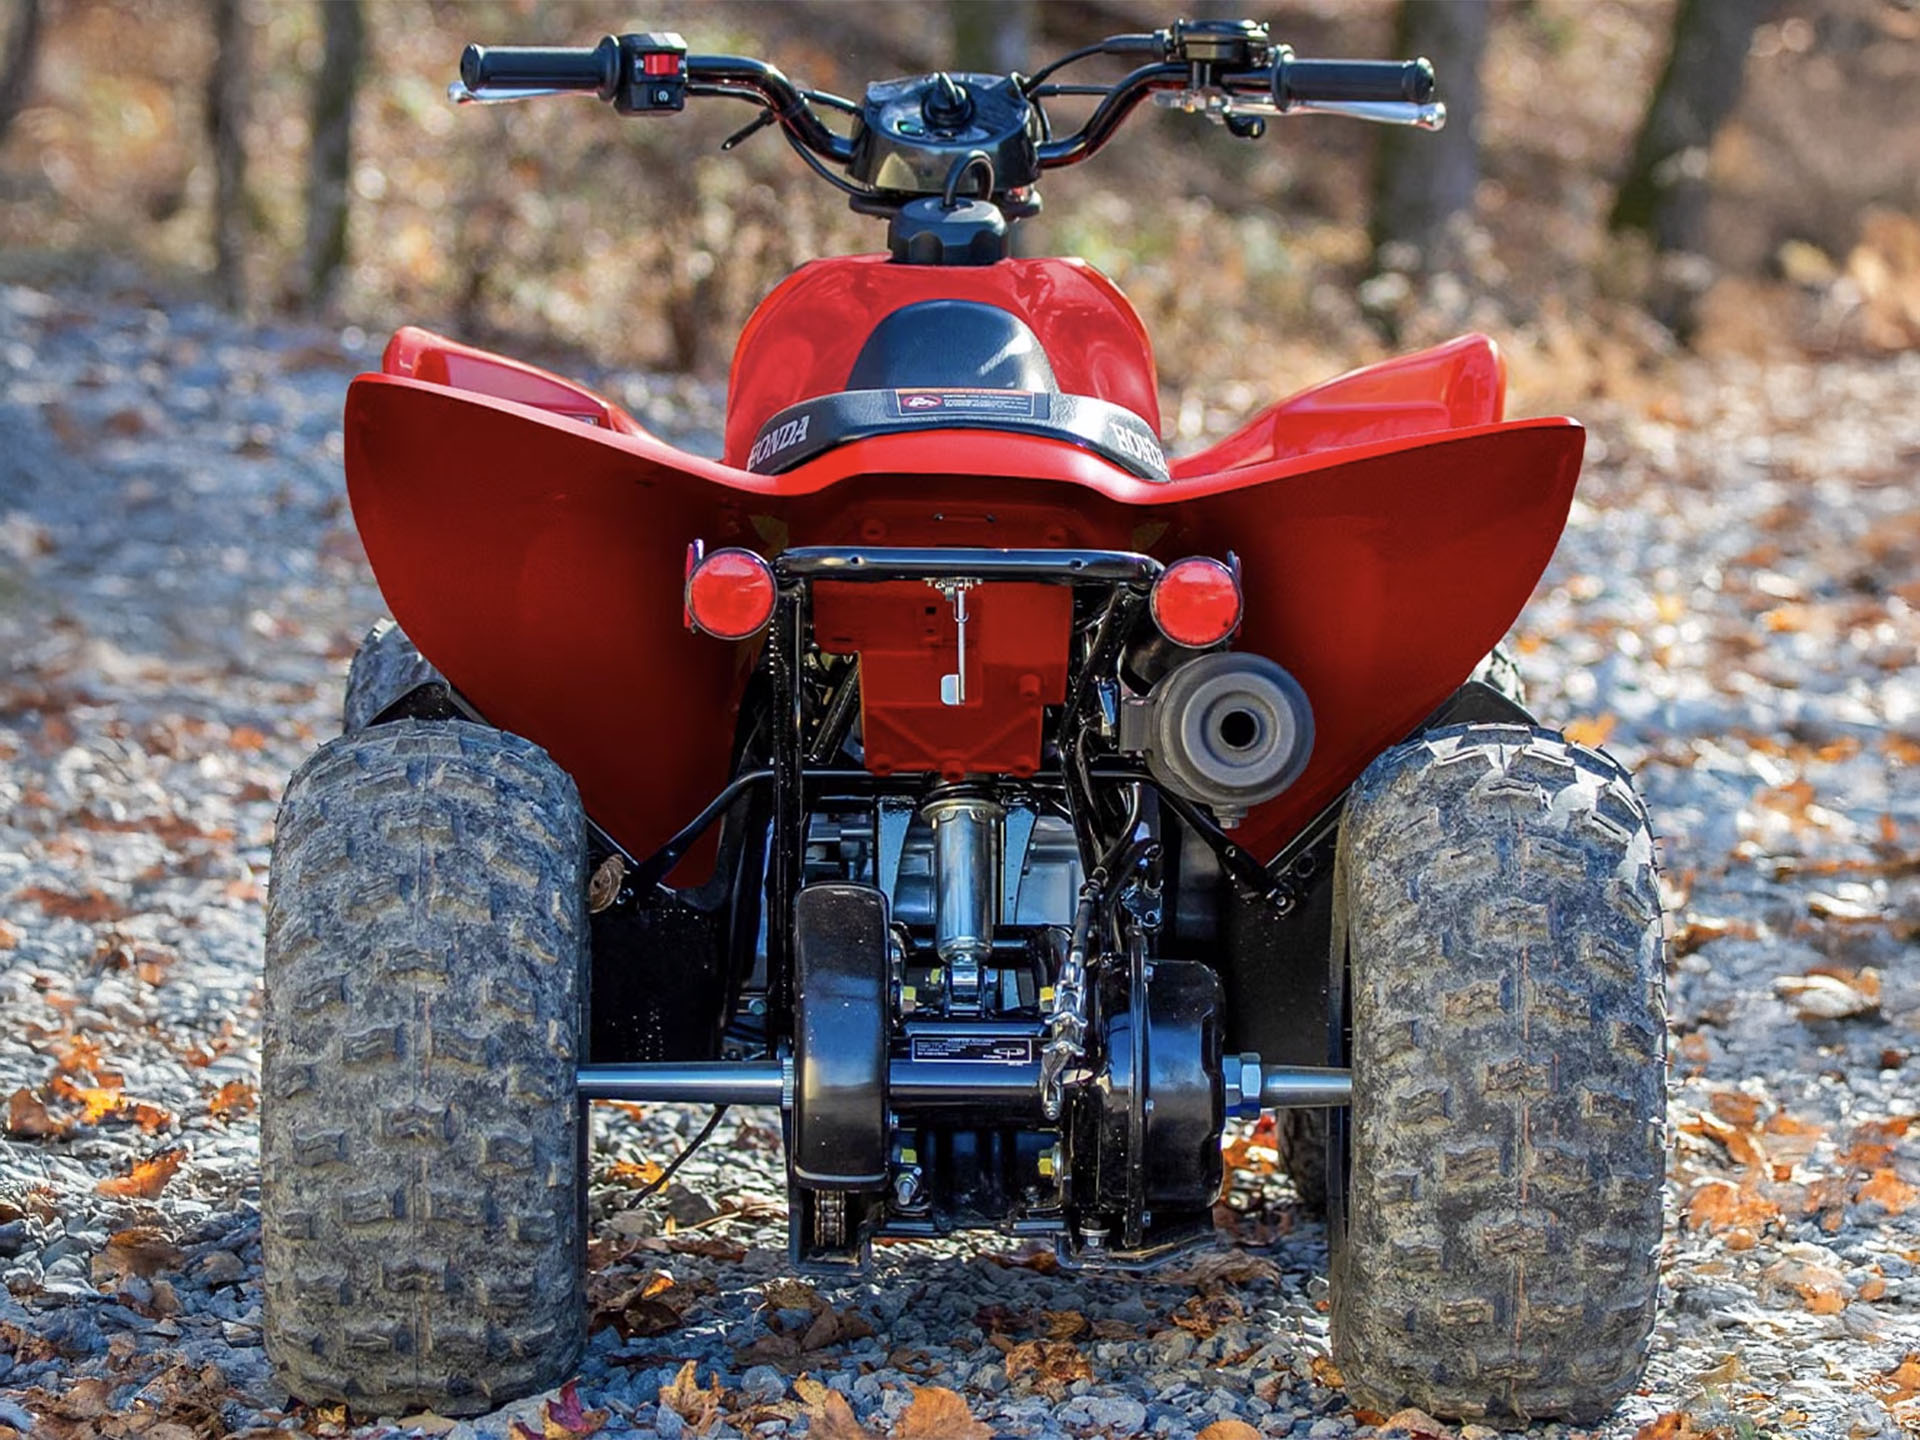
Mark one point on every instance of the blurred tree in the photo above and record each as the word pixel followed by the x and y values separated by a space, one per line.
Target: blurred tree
pixel 1665 191
pixel 344 26
pixel 228 92
pixel 16 70
pixel 992 35
pixel 1422 181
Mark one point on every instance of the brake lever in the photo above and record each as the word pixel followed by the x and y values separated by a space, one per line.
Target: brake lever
pixel 1219 105
pixel 459 94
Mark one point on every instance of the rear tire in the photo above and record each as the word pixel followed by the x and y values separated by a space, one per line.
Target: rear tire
pixel 387 669
pixel 421 1188
pixel 1495 1250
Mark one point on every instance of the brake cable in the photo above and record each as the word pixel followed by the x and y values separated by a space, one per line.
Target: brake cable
pixel 706 1131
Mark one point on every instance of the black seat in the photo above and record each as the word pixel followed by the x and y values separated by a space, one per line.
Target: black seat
pixel 951 364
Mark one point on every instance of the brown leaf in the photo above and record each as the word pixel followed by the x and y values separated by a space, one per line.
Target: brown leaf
pixel 92 908
pixel 683 1395
pixel 1673 1425
pixel 1721 1205
pixel 834 1327
pixel 604 888
pixel 1900 1383
pixel 1229 1430
pixel 789 1294
pixel 812 1393
pixel 29 1119
pixel 1888 1191
pixel 138 1250
pixel 148 1178
pixel 835 1420
pixel 236 1097
pixel 938 1414
pixel 566 1419
pixel 1226 1267
pixel 1591 731
pixel 1035 1256
pixel 1326 1373
pixel 637 1174
pixel 1063 1324
pixel 651 1305
pixel 1056 1363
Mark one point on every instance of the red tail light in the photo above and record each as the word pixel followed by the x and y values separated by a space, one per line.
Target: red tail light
pixel 1196 602
pixel 730 594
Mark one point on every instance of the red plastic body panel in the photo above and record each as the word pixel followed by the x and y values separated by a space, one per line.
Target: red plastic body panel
pixel 804 337
pixel 1017 646
pixel 424 355
pixel 1450 387
pixel 539 563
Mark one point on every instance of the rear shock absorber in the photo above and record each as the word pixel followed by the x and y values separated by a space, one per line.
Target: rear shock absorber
pixel 967 839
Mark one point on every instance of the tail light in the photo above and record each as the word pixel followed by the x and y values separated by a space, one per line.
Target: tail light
pixel 1196 601
pixel 729 593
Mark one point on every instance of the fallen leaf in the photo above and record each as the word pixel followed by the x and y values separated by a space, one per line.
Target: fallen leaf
pixel 811 1391
pixel 1229 1430
pixel 938 1414
pixel 1590 731
pixel 566 1419
pixel 1063 1324
pixel 683 1395
pixel 29 1119
pixel 1326 1373
pixel 651 1305
pixel 604 888
pixel 1828 997
pixel 638 1174
pixel 1036 1256
pixel 147 1179
pixel 138 1250
pixel 789 1294
pixel 234 1098
pixel 1416 1423
pixel 1052 1363
pixel 1673 1425
pixel 1721 1205
pixel 835 1420
pixel 1887 1190
pixel 1224 1268
pixel 1900 1383
pixel 92 908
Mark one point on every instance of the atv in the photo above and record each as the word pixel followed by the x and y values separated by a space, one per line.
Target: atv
pixel 1007 803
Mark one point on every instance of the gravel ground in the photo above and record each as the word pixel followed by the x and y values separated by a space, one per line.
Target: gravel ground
pixel 1733 611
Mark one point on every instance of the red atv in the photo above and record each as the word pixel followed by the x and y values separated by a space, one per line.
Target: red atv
pixel 1007 803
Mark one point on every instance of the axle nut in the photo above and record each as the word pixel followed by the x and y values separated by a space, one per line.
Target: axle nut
pixel 1243 1080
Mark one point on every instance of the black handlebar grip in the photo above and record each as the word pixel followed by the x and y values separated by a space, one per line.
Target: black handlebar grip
pixel 595 69
pixel 1337 81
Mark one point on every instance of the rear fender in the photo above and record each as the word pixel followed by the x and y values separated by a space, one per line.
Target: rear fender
pixel 422 355
pixel 539 562
pixel 1454 386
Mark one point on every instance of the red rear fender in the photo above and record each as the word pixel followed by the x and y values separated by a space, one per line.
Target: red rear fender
pixel 1454 386
pixel 422 355
pixel 539 563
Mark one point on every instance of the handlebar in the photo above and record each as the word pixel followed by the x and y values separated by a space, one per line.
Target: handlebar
pixel 1226 70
